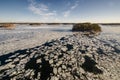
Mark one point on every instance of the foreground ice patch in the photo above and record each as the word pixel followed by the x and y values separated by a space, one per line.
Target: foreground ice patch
pixel 25 36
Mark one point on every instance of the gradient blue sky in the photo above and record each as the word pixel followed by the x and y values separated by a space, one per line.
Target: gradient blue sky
pixel 60 11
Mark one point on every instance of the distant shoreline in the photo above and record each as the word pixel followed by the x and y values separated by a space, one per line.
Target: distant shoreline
pixel 54 23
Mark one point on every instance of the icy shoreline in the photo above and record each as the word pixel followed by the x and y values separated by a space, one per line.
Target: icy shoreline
pixel 73 57
pixel 59 54
pixel 25 36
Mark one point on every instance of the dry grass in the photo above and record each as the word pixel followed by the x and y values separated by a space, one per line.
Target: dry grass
pixel 7 25
pixel 35 24
pixel 86 27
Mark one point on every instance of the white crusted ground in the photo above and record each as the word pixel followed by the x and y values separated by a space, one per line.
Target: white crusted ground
pixel 25 36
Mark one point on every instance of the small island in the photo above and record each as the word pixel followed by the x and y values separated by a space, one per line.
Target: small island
pixel 87 27
pixel 7 25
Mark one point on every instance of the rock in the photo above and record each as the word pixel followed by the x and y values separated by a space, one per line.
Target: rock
pixel 46 58
pixel 89 48
pixel 89 55
pixel 94 49
pixel 64 49
pixel 10 65
pixel 63 67
pixel 28 72
pixel 17 59
pixel 75 47
pixel 13 56
pixel 81 70
pixel 50 61
pixel 70 52
pixel 64 75
pixel 59 69
pixel 38 61
pixel 51 55
pixel 27 51
pixel 54 78
pixel 9 60
pixel 38 76
pixel 32 73
pixel 13 73
pixel 60 62
pixel 73 59
pixel 55 71
pixel 22 56
pixel 68 74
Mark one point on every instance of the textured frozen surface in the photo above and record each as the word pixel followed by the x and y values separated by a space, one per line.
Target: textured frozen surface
pixel 25 36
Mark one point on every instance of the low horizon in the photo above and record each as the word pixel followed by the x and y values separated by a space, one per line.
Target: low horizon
pixel 60 22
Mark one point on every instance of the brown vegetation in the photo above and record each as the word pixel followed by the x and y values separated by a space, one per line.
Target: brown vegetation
pixel 53 23
pixel 7 25
pixel 35 24
pixel 86 27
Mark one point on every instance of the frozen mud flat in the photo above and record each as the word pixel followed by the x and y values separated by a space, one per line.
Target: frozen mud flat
pixel 73 57
pixel 25 36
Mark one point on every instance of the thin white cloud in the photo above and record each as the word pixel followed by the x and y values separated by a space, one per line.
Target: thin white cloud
pixel 67 13
pixel 74 6
pixel 50 15
pixel 40 9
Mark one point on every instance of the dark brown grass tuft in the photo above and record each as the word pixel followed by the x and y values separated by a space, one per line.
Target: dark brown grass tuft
pixel 86 27
pixel 8 25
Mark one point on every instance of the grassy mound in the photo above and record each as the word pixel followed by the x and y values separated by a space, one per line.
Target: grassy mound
pixel 86 27
pixel 35 24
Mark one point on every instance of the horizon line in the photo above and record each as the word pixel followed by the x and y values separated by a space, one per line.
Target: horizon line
pixel 66 22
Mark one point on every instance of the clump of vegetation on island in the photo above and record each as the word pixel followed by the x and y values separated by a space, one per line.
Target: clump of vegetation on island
pixel 35 24
pixel 87 27
pixel 53 23
pixel 7 25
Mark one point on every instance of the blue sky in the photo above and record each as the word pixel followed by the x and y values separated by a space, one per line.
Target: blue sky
pixel 60 11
